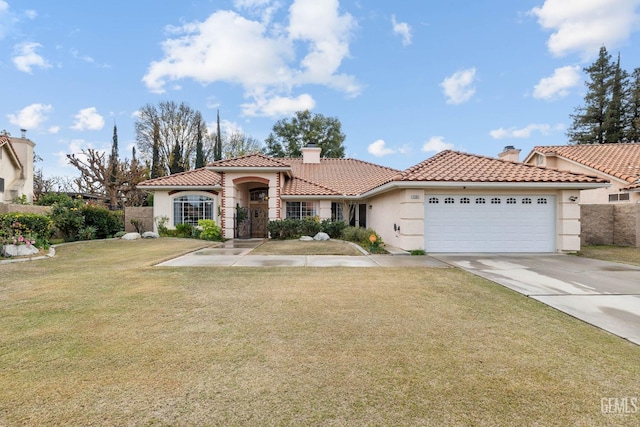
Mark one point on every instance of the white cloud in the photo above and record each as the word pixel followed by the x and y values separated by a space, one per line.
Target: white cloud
pixel 585 25
pixel 558 84
pixel 88 119
pixel 458 88
pixel 266 59
pixel 26 57
pixel 6 18
pixel 436 144
pixel 278 106
pixel 54 129
pixel 524 132
pixel 378 148
pixel 31 116
pixel 31 14
pixel 402 29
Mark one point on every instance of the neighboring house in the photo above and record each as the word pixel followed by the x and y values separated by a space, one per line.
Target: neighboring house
pixel 452 202
pixel 16 167
pixel 618 163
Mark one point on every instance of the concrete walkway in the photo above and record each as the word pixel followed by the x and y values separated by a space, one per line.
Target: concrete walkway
pixel 237 253
pixel 604 294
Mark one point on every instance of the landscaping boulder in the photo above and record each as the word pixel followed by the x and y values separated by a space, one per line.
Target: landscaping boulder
pixel 131 236
pixel 19 250
pixel 306 238
pixel 321 236
pixel 150 235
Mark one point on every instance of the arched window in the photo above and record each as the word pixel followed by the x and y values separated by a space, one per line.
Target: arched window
pixel 526 201
pixel 496 201
pixel 480 201
pixel 511 201
pixel 542 201
pixel 189 209
pixel 433 200
pixel 449 200
pixel 465 201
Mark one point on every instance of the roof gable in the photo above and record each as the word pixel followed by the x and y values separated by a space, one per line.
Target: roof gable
pixel 5 141
pixel 618 160
pixel 455 166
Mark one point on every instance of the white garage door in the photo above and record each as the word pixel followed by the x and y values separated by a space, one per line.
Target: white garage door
pixel 490 223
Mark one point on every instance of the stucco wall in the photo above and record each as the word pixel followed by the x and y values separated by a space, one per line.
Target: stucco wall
pixel 611 224
pixel 163 206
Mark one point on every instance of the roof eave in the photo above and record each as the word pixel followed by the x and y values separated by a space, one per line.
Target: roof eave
pixel 484 185
pixel 216 187
pixel 249 169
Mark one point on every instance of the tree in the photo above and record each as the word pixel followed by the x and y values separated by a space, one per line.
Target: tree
pixel 632 110
pixel 176 164
pixel 156 168
pixel 239 144
pixel 200 160
pixel 288 137
pixel 113 169
pixel 95 177
pixel 588 125
pixel 614 117
pixel 165 128
pixel 218 146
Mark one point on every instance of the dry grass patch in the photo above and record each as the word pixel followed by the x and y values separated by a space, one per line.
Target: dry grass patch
pixel 625 255
pixel 96 336
pixel 314 247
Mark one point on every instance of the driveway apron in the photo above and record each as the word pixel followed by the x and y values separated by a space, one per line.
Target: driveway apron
pixel 604 294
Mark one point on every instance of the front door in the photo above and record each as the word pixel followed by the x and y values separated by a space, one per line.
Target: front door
pixel 259 218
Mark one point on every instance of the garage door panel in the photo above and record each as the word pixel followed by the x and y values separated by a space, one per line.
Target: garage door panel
pixel 503 223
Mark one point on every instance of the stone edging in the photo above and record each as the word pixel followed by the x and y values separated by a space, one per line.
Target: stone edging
pixel 51 254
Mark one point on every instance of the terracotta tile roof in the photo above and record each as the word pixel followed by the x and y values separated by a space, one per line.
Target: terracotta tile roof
pixel 341 176
pixel 197 177
pixel 462 167
pixel 619 160
pixel 302 187
pixel 250 160
pixel 5 140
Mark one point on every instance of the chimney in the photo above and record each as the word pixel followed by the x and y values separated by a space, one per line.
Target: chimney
pixel 23 133
pixel 311 154
pixel 510 154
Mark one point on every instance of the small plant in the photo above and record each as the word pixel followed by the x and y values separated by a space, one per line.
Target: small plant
pixel 119 234
pixel 87 233
pixel 137 224
pixel 417 252
pixel 161 223
pixel 21 200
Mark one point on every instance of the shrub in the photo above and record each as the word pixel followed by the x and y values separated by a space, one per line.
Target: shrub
pixel 68 218
pixel 286 229
pixel 87 233
pixel 105 222
pixel 184 230
pixel 137 224
pixel 26 224
pixel 161 223
pixel 361 236
pixel 333 228
pixel 210 230
pixel 49 199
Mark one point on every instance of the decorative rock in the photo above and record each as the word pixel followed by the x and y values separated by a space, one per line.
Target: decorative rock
pixel 321 236
pixel 19 250
pixel 306 238
pixel 131 236
pixel 150 235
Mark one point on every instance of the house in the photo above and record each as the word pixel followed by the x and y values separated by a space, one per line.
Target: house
pixel 16 167
pixel 451 202
pixel 618 163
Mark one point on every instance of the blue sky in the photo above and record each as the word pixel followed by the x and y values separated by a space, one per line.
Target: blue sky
pixel 406 79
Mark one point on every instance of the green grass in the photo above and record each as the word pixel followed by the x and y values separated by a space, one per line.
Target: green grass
pixel 97 336
pixel 625 255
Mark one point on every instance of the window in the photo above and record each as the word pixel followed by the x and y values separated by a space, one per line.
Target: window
pixel 433 200
pixel 299 210
pixel 480 201
pixel 465 201
pixel 1 185
pixel 542 201
pixel 336 212
pixel 449 200
pixel 496 201
pixel 189 209
pixel 526 201
pixel 259 194
pixel 511 201
pixel 620 197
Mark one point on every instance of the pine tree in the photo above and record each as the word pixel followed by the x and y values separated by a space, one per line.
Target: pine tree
pixel 156 167
pixel 632 110
pixel 588 125
pixel 113 159
pixel 614 120
pixel 176 165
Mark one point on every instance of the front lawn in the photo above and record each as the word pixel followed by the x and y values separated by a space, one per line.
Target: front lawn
pixel 98 336
pixel 625 255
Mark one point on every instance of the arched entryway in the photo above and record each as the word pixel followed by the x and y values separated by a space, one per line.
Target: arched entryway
pixel 259 211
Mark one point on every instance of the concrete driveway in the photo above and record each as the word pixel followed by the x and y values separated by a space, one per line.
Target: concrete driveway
pixel 605 294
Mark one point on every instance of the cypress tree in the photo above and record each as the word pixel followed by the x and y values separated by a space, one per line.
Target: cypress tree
pixel 156 167
pixel 200 162
pixel 218 145
pixel 176 159
pixel 632 110
pixel 614 120
pixel 113 159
